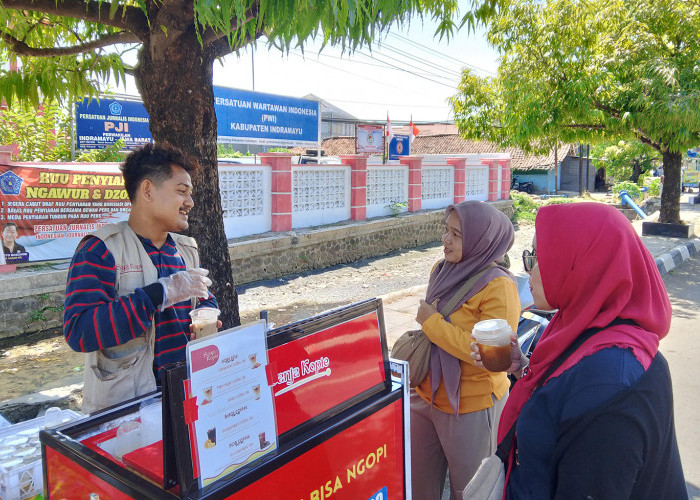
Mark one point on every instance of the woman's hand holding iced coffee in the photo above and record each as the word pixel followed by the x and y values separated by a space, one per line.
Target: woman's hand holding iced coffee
pixel 425 310
pixel 516 355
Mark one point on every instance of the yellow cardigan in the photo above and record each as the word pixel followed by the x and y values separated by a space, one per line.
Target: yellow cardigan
pixel 498 299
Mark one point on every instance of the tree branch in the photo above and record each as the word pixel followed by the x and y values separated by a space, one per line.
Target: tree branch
pixel 587 126
pixel 639 133
pixel 649 142
pixel 221 46
pixel 210 36
pixel 126 18
pixel 22 49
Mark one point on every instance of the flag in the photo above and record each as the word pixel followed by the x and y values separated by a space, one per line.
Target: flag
pixel 413 130
pixel 389 132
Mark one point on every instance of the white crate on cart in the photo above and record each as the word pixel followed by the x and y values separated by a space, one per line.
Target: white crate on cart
pixel 25 480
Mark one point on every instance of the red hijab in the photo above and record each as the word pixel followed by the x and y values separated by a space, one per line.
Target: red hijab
pixel 594 269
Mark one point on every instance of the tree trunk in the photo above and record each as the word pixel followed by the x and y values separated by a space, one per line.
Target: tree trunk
pixel 174 76
pixel 671 195
pixel 636 170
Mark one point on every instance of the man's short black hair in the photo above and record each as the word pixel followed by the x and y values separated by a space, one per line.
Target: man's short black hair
pixel 151 162
pixel 9 224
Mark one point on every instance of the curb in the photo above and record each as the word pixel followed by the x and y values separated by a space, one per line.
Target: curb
pixel 666 262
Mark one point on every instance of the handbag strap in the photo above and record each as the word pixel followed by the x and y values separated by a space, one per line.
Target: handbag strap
pixel 505 444
pixel 463 290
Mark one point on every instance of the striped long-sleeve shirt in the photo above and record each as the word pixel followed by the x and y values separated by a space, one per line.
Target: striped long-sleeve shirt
pixel 95 317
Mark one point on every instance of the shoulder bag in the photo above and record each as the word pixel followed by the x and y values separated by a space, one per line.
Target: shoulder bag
pixel 414 345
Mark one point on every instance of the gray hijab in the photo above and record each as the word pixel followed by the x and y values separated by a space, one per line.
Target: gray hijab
pixel 487 234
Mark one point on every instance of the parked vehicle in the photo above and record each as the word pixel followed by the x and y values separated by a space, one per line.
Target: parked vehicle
pixel 527 186
pixel 530 328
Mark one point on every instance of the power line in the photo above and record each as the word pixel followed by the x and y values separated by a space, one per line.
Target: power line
pixel 441 54
pixel 413 57
pixel 345 71
pixel 383 64
pixel 407 71
pixel 386 103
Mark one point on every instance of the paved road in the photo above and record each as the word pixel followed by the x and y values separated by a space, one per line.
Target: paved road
pixel 682 349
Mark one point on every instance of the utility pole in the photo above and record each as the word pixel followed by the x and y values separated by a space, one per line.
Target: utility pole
pixel 252 64
pixel 556 167
pixel 588 163
pixel 580 169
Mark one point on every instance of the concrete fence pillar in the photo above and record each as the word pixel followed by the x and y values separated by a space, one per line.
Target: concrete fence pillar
pixel 358 182
pixel 415 181
pixel 494 188
pixel 459 165
pixel 6 153
pixel 505 178
pixel 281 203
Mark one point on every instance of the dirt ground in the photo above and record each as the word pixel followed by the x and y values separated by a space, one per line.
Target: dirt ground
pixel 44 361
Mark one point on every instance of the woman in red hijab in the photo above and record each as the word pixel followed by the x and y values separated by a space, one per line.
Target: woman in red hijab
pixel 601 425
pixel 455 410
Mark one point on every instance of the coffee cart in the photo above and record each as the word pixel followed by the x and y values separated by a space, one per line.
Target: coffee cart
pixel 341 413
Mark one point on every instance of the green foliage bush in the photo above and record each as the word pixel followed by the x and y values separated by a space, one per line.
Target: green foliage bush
pixel 560 201
pixel 111 153
pixel 41 134
pixel 631 188
pixel 227 151
pixel 654 185
pixel 525 207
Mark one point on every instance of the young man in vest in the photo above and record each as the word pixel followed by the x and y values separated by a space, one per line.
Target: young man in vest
pixel 131 285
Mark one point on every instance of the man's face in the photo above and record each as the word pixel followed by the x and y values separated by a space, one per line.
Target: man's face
pixel 9 234
pixel 171 201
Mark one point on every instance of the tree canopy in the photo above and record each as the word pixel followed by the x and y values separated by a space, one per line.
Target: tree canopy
pixel 55 48
pixel 624 160
pixel 591 71
pixel 71 47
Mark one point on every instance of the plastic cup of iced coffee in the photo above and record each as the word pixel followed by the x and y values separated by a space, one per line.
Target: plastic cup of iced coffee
pixel 493 338
pixel 204 321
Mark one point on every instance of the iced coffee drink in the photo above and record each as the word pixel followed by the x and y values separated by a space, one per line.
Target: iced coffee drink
pixel 204 321
pixel 493 338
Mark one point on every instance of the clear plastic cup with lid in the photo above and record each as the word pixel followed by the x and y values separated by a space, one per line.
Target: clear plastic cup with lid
pixel 205 321
pixel 493 338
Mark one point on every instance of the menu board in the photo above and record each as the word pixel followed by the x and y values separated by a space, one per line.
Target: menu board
pixel 235 421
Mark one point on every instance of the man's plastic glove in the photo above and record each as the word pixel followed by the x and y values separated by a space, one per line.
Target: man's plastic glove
pixel 184 285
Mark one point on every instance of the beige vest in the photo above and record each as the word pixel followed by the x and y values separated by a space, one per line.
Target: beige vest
pixel 116 374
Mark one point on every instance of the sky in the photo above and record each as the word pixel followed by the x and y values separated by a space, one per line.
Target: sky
pixel 409 74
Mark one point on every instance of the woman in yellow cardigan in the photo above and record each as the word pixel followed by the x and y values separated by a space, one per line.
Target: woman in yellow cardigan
pixel 455 410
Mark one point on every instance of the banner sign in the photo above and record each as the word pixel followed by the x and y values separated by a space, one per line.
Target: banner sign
pixel 54 207
pixel 369 138
pixel 399 146
pixel 310 374
pixel 101 123
pixel 245 117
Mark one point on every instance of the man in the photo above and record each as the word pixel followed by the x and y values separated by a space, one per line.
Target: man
pixel 9 235
pixel 131 285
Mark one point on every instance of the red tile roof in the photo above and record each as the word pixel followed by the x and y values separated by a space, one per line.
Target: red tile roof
pixel 448 144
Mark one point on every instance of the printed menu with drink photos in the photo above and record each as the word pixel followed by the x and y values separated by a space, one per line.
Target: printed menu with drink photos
pixel 236 417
